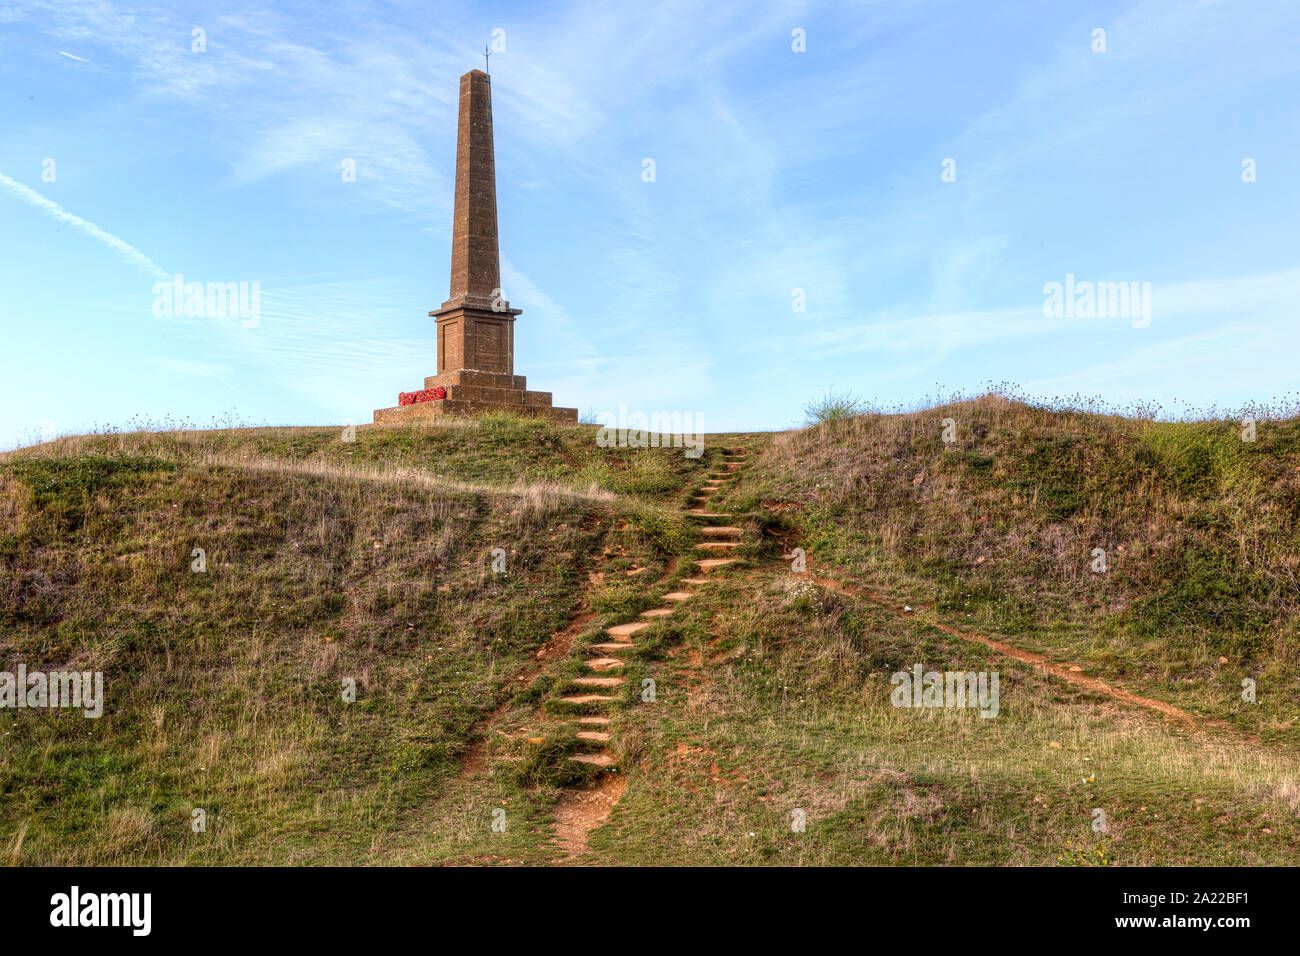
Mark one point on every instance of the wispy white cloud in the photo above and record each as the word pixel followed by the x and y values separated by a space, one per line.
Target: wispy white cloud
pixel 1175 306
pixel 280 94
pixel 127 251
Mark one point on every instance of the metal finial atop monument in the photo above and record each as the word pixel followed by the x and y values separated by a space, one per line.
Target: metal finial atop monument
pixel 487 66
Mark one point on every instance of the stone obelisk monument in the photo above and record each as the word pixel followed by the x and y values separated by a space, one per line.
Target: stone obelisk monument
pixel 476 325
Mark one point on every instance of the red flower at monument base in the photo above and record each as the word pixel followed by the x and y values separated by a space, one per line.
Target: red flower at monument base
pixel 423 395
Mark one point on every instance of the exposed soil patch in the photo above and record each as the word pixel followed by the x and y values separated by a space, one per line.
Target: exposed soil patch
pixel 581 811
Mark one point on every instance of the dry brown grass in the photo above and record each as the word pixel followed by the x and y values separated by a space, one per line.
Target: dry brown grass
pixel 998 530
pixel 223 688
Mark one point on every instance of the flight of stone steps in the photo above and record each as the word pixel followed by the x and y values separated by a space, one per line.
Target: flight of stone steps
pixel 605 664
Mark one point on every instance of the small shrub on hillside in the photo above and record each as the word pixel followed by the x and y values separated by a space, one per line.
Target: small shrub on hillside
pixel 803 596
pixel 545 763
pixel 1082 856
pixel 666 530
pixel 620 597
pixel 412 756
pixel 832 407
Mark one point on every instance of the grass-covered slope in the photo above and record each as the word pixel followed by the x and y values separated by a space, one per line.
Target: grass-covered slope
pixel 371 560
pixel 326 560
pixel 774 709
pixel 999 530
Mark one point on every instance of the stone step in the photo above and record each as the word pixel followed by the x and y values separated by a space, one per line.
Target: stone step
pixel 403 414
pixel 626 630
pixel 595 760
pixel 598 681
pixel 587 699
pixel 607 647
pixel 657 612
pixel 467 376
pixel 497 396
pixel 695 581
pixel 599 736
pixel 717 545
pixel 604 663
pixel 722 531
pixel 677 596
pixel 594 721
pixel 708 564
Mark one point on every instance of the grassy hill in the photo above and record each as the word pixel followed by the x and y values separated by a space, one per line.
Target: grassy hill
pixel 1201 533
pixel 223 687
pixel 372 561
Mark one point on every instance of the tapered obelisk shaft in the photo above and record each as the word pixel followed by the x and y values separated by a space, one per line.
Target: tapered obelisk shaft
pixel 476 326
pixel 475 259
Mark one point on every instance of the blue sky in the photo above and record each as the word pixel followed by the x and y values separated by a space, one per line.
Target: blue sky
pixel 775 170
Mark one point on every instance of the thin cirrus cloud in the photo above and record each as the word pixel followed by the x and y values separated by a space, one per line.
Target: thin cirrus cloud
pixel 276 100
pixel 123 248
pixel 1178 306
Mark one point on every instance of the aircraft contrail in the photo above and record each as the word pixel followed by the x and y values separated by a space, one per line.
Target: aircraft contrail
pixel 125 249
pixel 81 59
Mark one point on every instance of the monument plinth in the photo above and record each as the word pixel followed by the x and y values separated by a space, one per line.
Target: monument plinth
pixel 476 325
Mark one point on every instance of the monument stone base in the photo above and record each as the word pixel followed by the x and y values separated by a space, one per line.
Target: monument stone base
pixel 471 392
